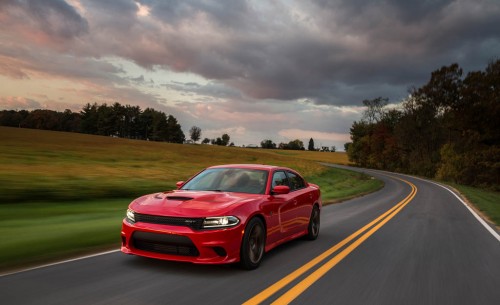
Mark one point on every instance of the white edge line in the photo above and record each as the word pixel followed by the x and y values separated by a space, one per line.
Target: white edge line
pixel 59 263
pixel 479 218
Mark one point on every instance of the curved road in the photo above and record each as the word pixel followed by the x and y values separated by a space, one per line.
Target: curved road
pixel 413 242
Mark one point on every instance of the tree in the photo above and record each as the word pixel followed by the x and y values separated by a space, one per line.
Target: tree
pixel 446 129
pixel 225 139
pixel 311 144
pixel 269 144
pixel 131 122
pixel 205 141
pixel 358 149
pixel 195 133
pixel 13 118
pixel 295 145
pixel 374 109
pixel 70 121
pixel 153 125
pixel 346 146
pixel 89 118
pixel 334 149
pixel 174 131
pixel 115 120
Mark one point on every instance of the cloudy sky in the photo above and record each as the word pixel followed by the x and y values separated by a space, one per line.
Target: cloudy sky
pixel 256 70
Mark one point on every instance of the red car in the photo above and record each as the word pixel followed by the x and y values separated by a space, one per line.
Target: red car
pixel 224 214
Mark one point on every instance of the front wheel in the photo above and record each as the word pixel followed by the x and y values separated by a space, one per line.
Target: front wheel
pixel 253 244
pixel 314 222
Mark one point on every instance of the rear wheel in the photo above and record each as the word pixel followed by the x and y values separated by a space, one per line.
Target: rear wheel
pixel 314 224
pixel 253 244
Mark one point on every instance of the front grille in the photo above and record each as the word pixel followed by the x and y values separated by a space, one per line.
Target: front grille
pixel 164 243
pixel 194 223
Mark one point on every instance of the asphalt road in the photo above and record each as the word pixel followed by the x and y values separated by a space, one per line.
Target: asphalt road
pixel 429 250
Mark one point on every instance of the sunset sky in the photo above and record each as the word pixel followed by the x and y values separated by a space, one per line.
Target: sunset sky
pixel 256 70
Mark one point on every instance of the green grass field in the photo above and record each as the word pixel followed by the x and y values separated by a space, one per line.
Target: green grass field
pixel 63 194
pixel 35 233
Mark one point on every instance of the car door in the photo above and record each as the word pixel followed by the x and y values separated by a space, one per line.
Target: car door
pixel 302 199
pixel 289 205
pixel 279 205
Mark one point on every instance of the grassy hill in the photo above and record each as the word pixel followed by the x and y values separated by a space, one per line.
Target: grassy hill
pixel 63 194
pixel 48 165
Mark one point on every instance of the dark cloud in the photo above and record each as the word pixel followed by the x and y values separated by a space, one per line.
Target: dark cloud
pixel 55 18
pixel 212 89
pixel 226 13
pixel 330 52
pixel 311 49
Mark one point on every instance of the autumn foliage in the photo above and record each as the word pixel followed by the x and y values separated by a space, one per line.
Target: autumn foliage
pixel 447 129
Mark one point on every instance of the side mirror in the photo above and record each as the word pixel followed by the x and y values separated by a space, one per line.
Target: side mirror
pixel 281 189
pixel 179 184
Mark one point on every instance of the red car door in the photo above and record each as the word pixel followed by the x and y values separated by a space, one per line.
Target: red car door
pixel 303 201
pixel 290 206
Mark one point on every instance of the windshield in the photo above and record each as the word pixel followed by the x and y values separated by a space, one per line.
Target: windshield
pixel 239 180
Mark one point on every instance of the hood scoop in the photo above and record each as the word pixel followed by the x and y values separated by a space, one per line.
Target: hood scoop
pixel 179 198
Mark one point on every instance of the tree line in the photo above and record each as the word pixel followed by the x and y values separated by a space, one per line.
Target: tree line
pixel 292 145
pixel 107 120
pixel 446 129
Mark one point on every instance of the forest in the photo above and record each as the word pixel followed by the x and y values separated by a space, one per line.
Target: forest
pixel 108 120
pixel 447 129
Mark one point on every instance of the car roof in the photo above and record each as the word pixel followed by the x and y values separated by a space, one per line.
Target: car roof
pixel 250 166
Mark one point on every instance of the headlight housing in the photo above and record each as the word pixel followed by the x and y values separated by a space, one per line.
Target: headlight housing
pixel 130 216
pixel 220 222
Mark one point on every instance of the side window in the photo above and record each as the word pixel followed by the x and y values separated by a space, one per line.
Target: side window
pixel 279 178
pixel 296 182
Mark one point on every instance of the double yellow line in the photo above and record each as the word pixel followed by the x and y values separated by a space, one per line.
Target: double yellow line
pixel 301 286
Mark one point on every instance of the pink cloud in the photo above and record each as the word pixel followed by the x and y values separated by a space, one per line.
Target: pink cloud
pixel 17 102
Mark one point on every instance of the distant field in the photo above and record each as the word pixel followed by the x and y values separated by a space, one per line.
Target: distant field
pixel 63 194
pixel 47 165
pixel 327 157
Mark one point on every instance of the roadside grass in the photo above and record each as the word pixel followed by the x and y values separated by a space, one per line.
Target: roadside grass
pixel 64 194
pixel 35 233
pixel 340 184
pixel 486 201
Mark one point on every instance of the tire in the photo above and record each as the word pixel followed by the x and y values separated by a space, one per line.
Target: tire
pixel 314 224
pixel 253 244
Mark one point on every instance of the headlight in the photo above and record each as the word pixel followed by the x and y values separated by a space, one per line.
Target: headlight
pixel 130 216
pixel 220 222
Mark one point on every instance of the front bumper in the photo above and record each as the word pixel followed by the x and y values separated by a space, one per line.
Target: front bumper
pixel 179 243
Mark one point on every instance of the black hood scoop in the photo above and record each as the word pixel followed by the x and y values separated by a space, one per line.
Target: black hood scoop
pixel 179 198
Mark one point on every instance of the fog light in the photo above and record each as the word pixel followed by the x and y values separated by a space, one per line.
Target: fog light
pixel 220 251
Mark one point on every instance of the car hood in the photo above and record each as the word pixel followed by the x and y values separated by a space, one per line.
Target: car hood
pixel 190 203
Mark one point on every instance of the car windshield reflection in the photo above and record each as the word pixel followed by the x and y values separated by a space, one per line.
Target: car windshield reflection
pixel 240 180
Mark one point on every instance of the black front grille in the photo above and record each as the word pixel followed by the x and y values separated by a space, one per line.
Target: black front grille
pixel 164 243
pixel 194 223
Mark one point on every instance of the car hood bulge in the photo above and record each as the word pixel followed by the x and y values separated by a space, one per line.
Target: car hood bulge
pixel 190 203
